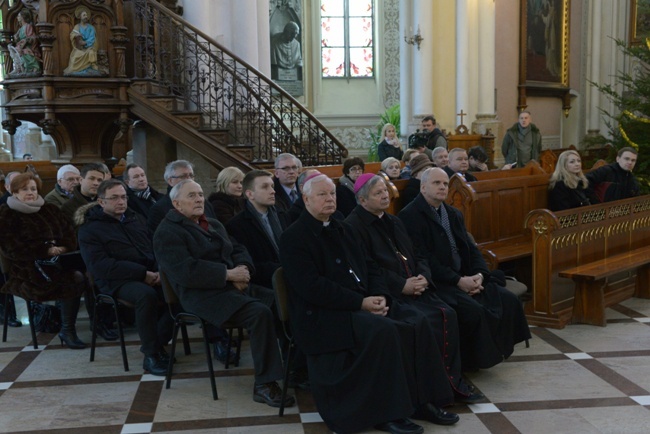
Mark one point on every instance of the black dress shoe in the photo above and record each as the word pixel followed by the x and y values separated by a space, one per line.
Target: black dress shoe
pixel 472 398
pixel 105 332
pixel 433 414
pixel 13 322
pixel 155 365
pixel 299 379
pixel 164 356
pixel 221 352
pixel 270 394
pixel 400 426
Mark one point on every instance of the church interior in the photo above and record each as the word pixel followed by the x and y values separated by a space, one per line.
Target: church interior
pixel 225 83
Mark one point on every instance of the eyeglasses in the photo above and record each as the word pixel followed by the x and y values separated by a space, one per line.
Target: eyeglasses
pixel 71 179
pixel 185 176
pixel 356 169
pixel 116 198
pixel 289 168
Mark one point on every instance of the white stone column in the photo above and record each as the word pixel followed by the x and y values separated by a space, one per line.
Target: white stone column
pixel 244 34
pixel 462 56
pixel 422 59
pixel 592 107
pixel 264 38
pixel 406 77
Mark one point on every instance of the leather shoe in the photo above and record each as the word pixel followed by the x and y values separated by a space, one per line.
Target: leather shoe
pixel 433 414
pixel 299 379
pixel 164 356
pixel 270 394
pixel 221 350
pixel 400 426
pixel 13 322
pixel 105 332
pixel 155 365
pixel 472 398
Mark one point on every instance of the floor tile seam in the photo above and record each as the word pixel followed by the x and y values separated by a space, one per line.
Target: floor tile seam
pixel 613 378
pixel 28 384
pixel 145 402
pixel 21 360
pixel 195 424
pixel 554 340
pixel 560 404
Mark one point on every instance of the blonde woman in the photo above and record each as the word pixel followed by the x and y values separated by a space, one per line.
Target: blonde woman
pixel 391 166
pixel 568 187
pixel 228 200
pixel 389 145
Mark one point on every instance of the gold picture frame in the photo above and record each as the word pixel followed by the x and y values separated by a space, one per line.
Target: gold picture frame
pixel 544 50
pixel 639 21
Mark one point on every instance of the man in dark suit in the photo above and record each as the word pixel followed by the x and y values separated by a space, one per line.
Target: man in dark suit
pixel 141 195
pixel 287 169
pixel 490 318
pixel 369 356
pixel 211 276
pixel 459 164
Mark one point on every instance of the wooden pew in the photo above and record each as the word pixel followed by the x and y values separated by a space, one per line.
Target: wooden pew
pixel 495 207
pixel 45 169
pixel 586 243
pixel 548 158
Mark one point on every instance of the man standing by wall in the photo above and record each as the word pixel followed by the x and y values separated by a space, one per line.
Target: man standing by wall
pixel 522 143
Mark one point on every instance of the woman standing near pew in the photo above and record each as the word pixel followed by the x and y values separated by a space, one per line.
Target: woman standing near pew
pixel 568 186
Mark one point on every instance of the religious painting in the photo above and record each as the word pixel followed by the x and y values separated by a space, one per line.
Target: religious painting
pixel 639 21
pixel 544 43
pixel 286 45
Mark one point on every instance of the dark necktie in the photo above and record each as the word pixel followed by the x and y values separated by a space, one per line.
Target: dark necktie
pixel 293 196
pixel 269 230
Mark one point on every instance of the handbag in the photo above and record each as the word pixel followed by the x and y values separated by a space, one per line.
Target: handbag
pixel 65 261
pixel 47 318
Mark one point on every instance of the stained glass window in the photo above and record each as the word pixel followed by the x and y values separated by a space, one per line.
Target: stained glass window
pixel 347 38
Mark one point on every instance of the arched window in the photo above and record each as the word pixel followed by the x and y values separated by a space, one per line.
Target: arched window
pixel 347 38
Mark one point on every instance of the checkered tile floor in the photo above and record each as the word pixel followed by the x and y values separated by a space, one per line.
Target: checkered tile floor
pixel 582 379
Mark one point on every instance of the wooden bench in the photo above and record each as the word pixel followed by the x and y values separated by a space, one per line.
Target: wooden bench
pixel 590 279
pixel 45 169
pixel 570 239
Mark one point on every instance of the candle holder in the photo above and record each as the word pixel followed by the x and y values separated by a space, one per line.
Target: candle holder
pixel 415 39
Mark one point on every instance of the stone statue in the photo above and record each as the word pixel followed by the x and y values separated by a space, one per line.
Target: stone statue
pixel 25 52
pixel 83 58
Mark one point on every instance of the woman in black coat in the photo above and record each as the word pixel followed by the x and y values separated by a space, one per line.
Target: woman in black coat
pixel 390 145
pixel 33 229
pixel 228 200
pixel 568 187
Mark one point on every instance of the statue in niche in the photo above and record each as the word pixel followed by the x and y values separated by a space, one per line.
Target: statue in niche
pixel 83 58
pixel 25 52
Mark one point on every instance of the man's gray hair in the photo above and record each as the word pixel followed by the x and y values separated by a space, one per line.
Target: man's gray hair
pixel 66 168
pixel 306 189
pixel 170 169
pixel 364 191
pixel 176 190
pixel 286 155
pixel 437 151
pixel 427 173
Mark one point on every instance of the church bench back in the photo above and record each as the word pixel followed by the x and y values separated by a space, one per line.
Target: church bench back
pixel 574 237
pixel 45 169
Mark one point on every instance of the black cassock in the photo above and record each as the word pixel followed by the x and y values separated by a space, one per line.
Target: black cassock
pixel 364 369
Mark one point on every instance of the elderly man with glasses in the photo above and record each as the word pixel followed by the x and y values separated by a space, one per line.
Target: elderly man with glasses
pixel 67 178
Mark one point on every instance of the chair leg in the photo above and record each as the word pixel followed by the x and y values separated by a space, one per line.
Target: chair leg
pixel 285 380
pixel 527 344
pixel 228 347
pixel 170 368
pixel 120 331
pixel 186 339
pixel 32 326
pixel 93 339
pixel 208 355
pixel 6 320
pixel 240 337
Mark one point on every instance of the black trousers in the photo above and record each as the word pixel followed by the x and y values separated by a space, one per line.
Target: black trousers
pixel 152 319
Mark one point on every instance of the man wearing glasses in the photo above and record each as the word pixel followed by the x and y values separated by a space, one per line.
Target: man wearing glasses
pixel 287 169
pixel 67 178
pixel 118 251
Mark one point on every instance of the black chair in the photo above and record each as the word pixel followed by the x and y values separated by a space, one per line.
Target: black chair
pixel 181 320
pixel 101 298
pixel 281 302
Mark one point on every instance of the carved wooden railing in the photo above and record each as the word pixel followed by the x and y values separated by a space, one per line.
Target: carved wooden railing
pixel 229 94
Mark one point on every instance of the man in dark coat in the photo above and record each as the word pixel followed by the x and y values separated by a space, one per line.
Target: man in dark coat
pixel 459 164
pixel 369 356
pixel 616 180
pixel 299 205
pixel 522 142
pixel 490 318
pixel 92 174
pixel 211 275
pixel 407 277
pixel 141 195
pixel 116 247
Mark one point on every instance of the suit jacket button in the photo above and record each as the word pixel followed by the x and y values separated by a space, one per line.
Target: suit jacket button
pixel 338 261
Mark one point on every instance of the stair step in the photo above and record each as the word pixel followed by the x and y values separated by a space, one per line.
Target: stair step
pixel 148 87
pixel 192 118
pixel 220 136
pixel 169 102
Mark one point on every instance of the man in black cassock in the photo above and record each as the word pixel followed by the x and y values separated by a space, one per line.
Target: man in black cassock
pixel 407 277
pixel 367 354
pixel 491 319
